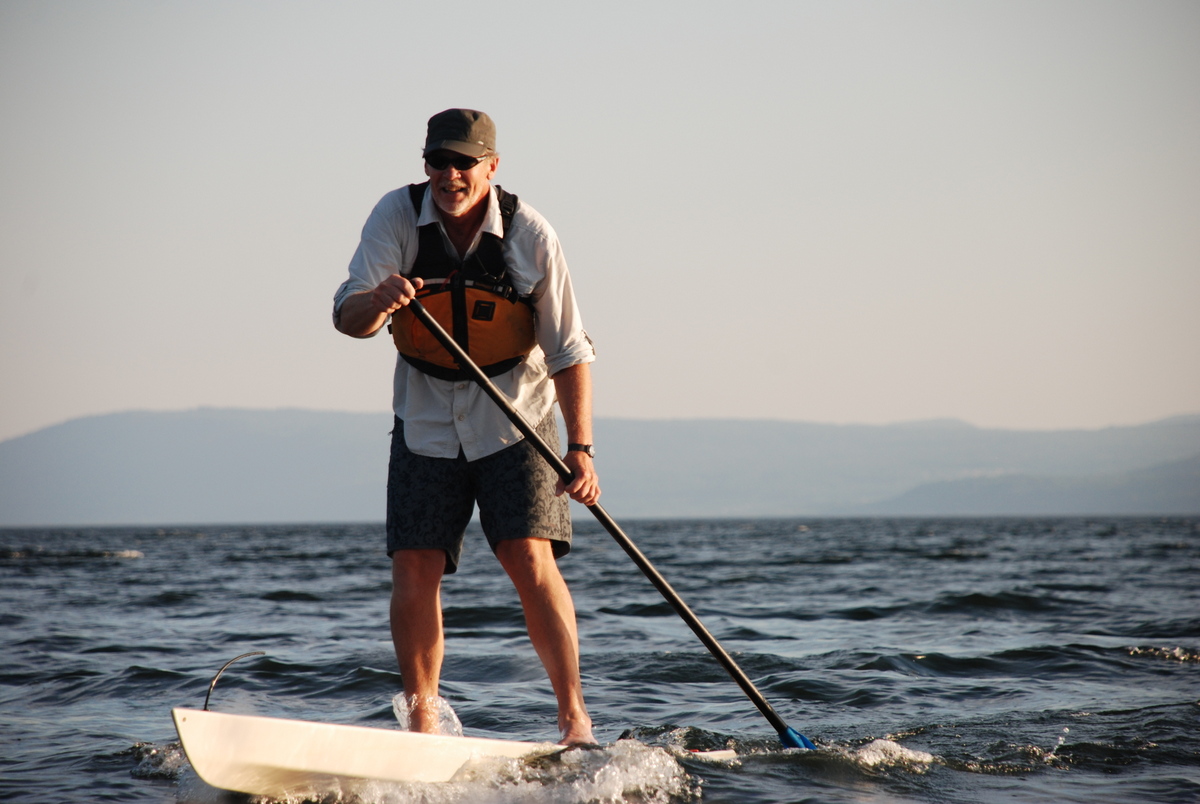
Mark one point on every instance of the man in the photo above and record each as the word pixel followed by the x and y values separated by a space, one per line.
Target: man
pixel 490 269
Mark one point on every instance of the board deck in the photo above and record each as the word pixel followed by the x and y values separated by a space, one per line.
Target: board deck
pixel 275 757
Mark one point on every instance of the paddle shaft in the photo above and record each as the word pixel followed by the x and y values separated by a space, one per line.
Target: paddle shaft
pixel 787 734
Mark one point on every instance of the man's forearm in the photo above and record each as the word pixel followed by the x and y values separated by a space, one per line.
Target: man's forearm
pixel 574 389
pixel 362 314
pixel 357 317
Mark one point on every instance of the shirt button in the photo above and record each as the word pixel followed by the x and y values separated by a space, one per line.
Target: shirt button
pixel 461 417
pixel 461 386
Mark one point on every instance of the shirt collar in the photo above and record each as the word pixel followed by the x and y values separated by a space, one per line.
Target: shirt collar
pixel 492 223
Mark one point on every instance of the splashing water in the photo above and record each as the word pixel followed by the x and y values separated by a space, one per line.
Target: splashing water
pixel 627 771
pixel 448 722
pixel 1062 738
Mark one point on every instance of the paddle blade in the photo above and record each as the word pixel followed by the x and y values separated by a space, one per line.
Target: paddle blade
pixel 794 739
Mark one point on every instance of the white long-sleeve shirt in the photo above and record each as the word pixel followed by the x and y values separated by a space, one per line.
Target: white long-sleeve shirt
pixel 441 416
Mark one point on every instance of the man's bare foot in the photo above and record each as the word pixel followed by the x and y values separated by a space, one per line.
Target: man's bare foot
pixel 576 732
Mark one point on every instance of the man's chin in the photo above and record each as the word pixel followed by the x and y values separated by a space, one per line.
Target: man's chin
pixel 452 204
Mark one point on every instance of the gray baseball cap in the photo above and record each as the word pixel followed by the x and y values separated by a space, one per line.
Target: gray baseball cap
pixel 463 130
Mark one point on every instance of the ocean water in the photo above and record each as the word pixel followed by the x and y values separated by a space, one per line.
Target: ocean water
pixel 981 660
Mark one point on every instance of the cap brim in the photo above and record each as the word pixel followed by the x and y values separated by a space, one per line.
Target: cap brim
pixel 467 148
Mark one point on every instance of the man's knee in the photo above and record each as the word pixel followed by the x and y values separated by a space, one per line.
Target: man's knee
pixel 524 550
pixel 527 560
pixel 417 571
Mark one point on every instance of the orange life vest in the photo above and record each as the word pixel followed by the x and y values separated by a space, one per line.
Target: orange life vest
pixel 474 300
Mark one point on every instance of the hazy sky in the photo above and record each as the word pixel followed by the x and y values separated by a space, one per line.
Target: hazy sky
pixel 823 211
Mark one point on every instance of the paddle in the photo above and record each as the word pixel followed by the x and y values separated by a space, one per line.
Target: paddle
pixel 787 735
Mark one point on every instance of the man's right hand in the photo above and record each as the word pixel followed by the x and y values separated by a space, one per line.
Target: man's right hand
pixel 393 293
pixel 362 314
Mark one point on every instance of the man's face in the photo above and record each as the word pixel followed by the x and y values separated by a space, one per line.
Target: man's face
pixel 456 190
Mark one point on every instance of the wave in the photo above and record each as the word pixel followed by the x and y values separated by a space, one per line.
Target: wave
pixel 38 554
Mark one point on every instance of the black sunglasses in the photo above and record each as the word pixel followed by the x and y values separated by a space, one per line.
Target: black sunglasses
pixel 458 162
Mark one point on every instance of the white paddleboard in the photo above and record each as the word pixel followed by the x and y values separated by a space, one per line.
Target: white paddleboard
pixel 274 757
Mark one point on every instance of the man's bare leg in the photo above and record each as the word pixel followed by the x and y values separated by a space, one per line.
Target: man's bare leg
pixel 416 616
pixel 550 620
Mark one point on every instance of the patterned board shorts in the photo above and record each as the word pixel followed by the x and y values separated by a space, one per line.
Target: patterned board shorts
pixel 430 500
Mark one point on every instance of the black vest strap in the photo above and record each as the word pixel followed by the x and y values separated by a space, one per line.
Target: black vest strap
pixel 486 265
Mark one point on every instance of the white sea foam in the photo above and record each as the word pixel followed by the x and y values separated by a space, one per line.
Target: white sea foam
pixel 125 554
pixel 625 771
pixel 888 753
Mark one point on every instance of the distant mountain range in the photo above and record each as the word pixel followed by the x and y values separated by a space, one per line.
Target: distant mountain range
pixel 246 466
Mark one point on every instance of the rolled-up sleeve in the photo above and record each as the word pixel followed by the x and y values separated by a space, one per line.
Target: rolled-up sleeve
pixel 382 251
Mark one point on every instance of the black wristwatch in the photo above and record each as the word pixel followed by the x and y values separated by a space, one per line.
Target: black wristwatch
pixel 586 449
